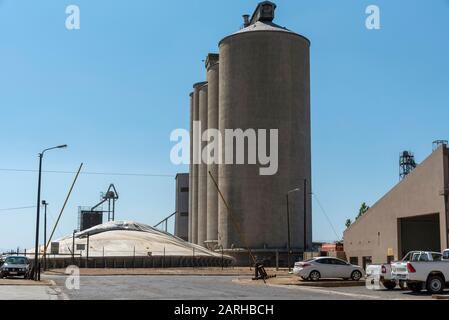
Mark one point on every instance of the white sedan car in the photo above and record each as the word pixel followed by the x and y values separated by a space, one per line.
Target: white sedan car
pixel 327 267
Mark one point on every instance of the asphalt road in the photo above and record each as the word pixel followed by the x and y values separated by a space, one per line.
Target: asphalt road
pixel 210 288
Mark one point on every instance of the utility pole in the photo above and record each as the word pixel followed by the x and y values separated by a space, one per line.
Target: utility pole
pixel 113 210
pixel 288 234
pixel 73 247
pixel 288 228
pixel 87 251
pixel 36 244
pixel 222 257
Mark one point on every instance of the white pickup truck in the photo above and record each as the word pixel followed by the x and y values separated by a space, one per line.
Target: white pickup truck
pixel 385 273
pixel 398 268
pixel 433 275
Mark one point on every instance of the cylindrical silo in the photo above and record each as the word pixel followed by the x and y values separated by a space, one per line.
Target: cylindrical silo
pixel 212 68
pixel 190 167
pixel 195 160
pixel 202 170
pixel 264 84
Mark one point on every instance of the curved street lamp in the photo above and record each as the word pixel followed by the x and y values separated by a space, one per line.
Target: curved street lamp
pixel 36 249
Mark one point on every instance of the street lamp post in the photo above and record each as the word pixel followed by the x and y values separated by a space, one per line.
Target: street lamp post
pixel 305 217
pixel 36 247
pixel 45 204
pixel 288 228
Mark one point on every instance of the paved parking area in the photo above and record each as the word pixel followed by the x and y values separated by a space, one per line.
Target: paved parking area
pixel 213 288
pixel 173 287
pixel 22 292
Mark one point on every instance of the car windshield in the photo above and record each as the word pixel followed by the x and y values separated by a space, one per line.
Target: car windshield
pixel 16 260
pixel 411 255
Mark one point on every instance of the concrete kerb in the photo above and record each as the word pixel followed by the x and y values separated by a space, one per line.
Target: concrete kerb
pixel 291 281
pixel 156 274
pixel 118 273
pixel 166 272
pixel 440 297
pixel 23 282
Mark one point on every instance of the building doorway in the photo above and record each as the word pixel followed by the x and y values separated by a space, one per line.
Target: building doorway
pixel 419 233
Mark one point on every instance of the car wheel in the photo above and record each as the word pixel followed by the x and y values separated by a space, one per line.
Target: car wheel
pixel 415 287
pixel 435 284
pixel 356 275
pixel 390 285
pixel 314 275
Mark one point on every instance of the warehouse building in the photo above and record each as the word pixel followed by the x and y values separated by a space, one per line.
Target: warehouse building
pixel 412 216
pixel 259 80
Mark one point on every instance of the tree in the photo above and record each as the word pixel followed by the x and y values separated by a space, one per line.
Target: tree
pixel 363 209
pixel 348 223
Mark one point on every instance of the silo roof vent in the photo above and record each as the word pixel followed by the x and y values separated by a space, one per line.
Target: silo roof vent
pixel 264 12
pixel 246 21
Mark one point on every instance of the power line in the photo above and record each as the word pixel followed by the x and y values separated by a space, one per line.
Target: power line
pixel 93 173
pixel 327 217
pixel 17 208
pixel 4 211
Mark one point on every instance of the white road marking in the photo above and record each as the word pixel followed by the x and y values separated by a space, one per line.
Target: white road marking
pixel 327 291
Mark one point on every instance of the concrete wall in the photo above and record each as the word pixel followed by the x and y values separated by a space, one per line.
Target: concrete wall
pixel 182 206
pixel 376 233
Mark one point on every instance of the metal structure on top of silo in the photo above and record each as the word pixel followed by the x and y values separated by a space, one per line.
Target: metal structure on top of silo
pixel 264 83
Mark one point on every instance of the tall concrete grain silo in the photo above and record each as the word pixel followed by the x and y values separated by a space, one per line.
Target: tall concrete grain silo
pixel 202 170
pixel 195 160
pixel 264 83
pixel 212 68
pixel 190 167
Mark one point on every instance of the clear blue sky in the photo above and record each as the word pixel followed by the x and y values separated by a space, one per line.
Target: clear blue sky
pixel 114 90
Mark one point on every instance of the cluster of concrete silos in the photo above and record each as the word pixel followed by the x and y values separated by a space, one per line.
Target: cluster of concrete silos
pixel 259 80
